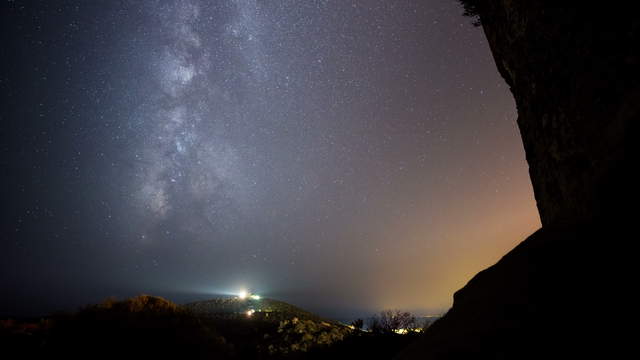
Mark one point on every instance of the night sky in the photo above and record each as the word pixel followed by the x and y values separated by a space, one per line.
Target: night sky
pixel 345 156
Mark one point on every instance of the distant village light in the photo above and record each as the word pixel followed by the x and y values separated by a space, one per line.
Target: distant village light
pixel 243 295
pixel 255 297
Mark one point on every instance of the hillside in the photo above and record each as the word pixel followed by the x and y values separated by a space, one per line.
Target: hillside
pixel 141 327
pixel 150 326
pixel 263 308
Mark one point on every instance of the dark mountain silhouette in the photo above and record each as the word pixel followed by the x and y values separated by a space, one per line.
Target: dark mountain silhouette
pixel 574 72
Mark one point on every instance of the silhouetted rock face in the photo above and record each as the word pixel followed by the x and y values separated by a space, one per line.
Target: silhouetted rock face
pixel 550 297
pixel 575 75
pixel 574 72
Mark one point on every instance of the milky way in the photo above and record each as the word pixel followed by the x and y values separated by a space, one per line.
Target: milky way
pixel 342 155
pixel 186 161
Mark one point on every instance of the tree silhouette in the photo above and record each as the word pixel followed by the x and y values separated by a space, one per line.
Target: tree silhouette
pixel 392 321
pixel 472 9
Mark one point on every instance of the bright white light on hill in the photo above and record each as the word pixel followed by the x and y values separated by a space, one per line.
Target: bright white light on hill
pixel 243 294
pixel 255 297
pixel 250 312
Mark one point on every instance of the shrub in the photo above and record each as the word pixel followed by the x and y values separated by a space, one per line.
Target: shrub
pixel 297 335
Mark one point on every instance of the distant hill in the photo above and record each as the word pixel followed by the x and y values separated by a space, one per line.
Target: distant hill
pixel 264 309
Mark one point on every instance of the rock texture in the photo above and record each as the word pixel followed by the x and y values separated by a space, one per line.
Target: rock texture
pixel 573 69
pixel 574 72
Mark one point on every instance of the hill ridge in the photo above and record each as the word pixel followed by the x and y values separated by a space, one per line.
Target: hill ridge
pixel 263 308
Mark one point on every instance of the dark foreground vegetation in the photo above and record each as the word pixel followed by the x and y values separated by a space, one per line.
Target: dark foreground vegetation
pixel 152 327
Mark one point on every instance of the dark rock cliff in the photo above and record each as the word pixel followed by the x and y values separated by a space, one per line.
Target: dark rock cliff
pixel 573 69
pixel 574 73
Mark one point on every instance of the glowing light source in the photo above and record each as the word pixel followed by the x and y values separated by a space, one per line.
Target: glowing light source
pixel 255 297
pixel 250 312
pixel 243 294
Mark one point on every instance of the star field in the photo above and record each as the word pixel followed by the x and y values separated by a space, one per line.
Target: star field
pixel 343 155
